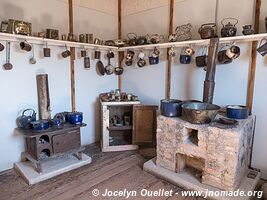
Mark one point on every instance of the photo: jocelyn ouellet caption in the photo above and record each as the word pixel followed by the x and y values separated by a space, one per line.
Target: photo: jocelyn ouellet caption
pixel 125 194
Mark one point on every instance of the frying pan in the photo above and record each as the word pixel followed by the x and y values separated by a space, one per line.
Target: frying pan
pixel 100 69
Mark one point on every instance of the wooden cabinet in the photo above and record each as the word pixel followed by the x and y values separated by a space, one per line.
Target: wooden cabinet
pixel 144 124
pixel 141 129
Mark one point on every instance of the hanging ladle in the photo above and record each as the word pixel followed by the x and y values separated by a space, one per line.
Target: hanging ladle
pixel 32 59
pixel 8 65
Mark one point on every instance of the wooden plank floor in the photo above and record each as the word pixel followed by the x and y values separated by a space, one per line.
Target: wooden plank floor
pixel 112 171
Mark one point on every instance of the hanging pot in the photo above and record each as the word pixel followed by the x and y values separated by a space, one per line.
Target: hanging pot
pixel 233 52
pixel 25 46
pixel 109 69
pixel 153 60
pixel 2 47
pixel 229 29
pixel 141 62
pixel 223 58
pixel 86 62
pixel 129 57
pixel 100 68
pixel 118 70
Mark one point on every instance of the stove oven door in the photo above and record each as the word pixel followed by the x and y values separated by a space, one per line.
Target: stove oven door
pixel 67 141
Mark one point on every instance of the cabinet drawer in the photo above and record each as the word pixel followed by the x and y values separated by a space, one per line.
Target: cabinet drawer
pixel 66 141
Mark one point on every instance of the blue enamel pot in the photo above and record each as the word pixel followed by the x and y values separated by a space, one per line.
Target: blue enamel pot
pixel 40 125
pixel 171 107
pixel 185 59
pixel 57 122
pixel 237 112
pixel 75 118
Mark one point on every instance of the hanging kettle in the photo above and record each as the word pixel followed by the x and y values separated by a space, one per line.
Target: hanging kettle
pixel 25 120
pixel 229 29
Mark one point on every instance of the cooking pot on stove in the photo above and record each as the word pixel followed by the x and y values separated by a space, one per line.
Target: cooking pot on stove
pixel 171 107
pixel 28 116
pixel 237 112
pixel 40 125
pixel 57 123
pixel 75 118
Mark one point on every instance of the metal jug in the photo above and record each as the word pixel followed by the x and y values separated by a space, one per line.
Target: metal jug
pixel 229 29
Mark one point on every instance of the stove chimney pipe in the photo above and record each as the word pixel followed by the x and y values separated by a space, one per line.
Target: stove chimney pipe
pixel 209 83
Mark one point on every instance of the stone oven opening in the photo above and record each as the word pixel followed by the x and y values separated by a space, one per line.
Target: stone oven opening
pixel 44 139
pixel 191 136
pixel 45 153
pixel 193 165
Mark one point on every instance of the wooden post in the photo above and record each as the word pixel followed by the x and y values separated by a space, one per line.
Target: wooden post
pixel 253 57
pixel 72 57
pixel 120 54
pixel 169 58
pixel 43 96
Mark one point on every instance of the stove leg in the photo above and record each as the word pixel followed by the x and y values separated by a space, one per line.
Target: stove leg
pixel 78 155
pixel 39 168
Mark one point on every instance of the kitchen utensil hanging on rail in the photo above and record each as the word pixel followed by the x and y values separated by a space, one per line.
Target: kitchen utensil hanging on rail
pixel 47 51
pixel 109 69
pixel 32 59
pixel 2 47
pixel 8 65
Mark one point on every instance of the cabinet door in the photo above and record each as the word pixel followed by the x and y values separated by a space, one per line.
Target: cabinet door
pixel 144 124
pixel 67 141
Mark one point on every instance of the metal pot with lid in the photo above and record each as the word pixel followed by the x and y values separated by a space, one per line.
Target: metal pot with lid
pixel 207 31
pixel 229 29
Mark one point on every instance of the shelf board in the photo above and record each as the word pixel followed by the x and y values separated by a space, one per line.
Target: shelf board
pixel 62 43
pixel 203 42
pixel 120 128
pixel 51 42
pixel 119 103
